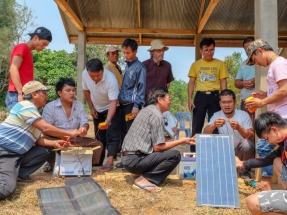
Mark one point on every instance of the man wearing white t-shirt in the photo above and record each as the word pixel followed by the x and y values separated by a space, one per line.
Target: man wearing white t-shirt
pixel 101 91
pixel 235 122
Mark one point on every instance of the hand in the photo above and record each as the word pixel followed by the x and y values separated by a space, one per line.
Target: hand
pixel 254 103
pixel 191 105
pixel 83 131
pixel 234 124
pixel 175 130
pixel 189 141
pixel 62 144
pixel 104 127
pixel 249 84
pixel 259 94
pixel 75 133
pixel 219 122
pixel 135 112
pixel 20 97
pixel 94 113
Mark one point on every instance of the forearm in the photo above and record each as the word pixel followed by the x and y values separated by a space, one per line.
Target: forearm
pixel 45 142
pixel 245 133
pixel 275 97
pixel 87 96
pixel 238 84
pixel 167 145
pixel 190 89
pixel 112 109
pixel 223 84
pixel 16 78
pixel 209 129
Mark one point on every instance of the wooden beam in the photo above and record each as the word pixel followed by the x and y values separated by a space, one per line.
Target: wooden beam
pixel 200 12
pixel 139 20
pixel 70 13
pixel 139 31
pixel 206 15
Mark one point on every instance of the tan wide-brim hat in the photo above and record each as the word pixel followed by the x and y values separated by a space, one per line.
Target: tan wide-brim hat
pixel 33 86
pixel 112 49
pixel 157 44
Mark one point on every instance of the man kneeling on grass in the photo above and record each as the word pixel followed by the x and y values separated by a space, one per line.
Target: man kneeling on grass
pixel 273 128
pixel 19 156
pixel 145 153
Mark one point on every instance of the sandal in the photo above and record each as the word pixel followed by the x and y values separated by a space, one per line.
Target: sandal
pixel 47 168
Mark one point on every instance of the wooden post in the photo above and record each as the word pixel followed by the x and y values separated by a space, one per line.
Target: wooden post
pixel 81 64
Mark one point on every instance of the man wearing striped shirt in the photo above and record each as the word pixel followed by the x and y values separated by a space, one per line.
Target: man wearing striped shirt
pixel 19 157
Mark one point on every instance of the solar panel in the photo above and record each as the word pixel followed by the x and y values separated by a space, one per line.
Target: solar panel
pixel 216 178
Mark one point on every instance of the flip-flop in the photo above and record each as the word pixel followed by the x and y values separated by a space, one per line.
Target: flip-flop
pixel 158 189
pixel 20 180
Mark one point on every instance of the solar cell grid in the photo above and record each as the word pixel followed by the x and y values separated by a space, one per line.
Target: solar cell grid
pixel 216 179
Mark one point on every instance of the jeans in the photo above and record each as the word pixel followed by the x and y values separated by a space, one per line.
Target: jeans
pixel 11 99
pixel 263 148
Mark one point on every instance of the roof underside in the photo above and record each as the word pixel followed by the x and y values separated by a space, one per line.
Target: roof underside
pixel 176 22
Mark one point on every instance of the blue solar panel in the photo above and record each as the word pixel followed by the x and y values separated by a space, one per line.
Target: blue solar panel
pixel 216 178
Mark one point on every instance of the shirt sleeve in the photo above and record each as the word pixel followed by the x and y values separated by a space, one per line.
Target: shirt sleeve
pixel 192 71
pixel 246 121
pixel 20 50
pixel 84 83
pixel 83 115
pixel 223 71
pixel 29 114
pixel 157 130
pixel 113 87
pixel 48 115
pixel 239 75
pixel 280 72
pixel 140 87
pixel 212 119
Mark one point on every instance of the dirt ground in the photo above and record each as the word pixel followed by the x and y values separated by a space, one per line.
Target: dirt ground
pixel 178 197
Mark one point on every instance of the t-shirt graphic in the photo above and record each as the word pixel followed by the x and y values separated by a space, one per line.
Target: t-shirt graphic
pixel 206 77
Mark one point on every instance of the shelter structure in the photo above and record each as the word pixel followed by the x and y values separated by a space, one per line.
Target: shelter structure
pixel 176 22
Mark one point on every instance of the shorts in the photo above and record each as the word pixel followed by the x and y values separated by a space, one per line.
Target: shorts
pixel 273 201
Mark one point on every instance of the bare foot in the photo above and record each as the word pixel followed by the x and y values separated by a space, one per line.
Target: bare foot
pixel 264 184
pixel 141 181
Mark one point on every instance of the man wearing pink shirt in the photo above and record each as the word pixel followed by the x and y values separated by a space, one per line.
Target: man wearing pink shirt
pixel 261 53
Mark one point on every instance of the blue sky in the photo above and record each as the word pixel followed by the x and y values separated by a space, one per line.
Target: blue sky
pixel 181 58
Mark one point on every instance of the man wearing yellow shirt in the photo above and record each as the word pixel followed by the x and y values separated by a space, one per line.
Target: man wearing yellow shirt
pixel 207 77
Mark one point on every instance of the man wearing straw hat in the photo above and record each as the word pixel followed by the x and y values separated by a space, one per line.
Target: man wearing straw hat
pixel 158 71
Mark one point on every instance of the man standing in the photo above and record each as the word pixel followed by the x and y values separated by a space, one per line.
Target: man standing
pixel 21 64
pixel 158 71
pixel 261 53
pixel 234 122
pixel 19 157
pixel 101 92
pixel 208 77
pixel 112 53
pixel 146 154
pixel 132 94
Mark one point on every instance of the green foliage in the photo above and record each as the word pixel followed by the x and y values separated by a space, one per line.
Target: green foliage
pixel 178 95
pixel 232 63
pixel 50 65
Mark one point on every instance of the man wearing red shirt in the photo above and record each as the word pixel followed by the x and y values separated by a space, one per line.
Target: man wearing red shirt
pixel 21 64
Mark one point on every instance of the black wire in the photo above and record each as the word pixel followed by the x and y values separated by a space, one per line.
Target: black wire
pixel 76 153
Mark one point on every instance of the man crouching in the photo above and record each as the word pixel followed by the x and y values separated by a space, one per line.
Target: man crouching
pixel 145 153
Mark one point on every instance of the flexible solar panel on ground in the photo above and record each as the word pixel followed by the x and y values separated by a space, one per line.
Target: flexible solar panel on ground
pixel 81 196
pixel 216 178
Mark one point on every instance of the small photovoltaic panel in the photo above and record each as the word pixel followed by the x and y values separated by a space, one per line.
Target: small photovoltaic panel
pixel 216 178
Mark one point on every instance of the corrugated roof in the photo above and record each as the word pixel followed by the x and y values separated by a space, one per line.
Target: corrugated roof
pixel 121 19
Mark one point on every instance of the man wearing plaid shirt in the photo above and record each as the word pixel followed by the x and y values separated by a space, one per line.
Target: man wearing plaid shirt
pixel 146 154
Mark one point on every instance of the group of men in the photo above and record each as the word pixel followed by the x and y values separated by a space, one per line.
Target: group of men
pixel 111 96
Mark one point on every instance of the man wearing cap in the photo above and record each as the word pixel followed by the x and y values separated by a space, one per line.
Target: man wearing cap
pixel 19 157
pixel 158 71
pixel 207 77
pixel 21 64
pixel 261 53
pixel 112 53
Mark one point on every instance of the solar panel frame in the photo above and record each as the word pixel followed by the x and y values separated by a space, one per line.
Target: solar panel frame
pixel 216 177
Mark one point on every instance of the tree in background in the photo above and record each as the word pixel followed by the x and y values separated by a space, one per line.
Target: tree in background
pixel 232 63
pixel 49 66
pixel 178 95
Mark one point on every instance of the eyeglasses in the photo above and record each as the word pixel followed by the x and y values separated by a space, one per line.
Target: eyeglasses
pixel 208 51
pixel 226 102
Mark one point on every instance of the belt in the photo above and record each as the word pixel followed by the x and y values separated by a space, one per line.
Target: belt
pixel 132 153
pixel 12 91
pixel 208 92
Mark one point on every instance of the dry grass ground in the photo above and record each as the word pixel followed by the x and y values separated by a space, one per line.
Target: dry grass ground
pixel 178 197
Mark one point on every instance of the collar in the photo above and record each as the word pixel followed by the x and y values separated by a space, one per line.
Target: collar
pixel 58 103
pixel 152 62
pixel 129 63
